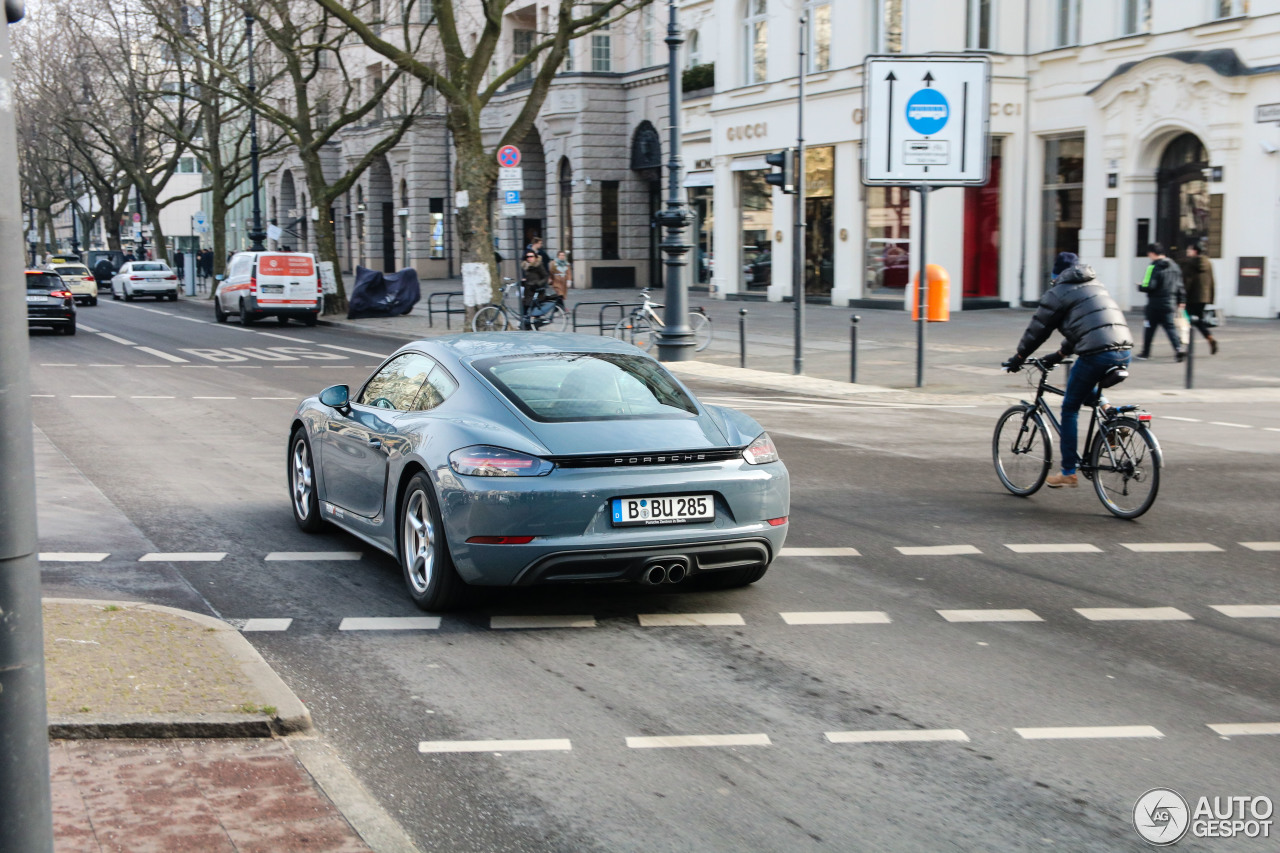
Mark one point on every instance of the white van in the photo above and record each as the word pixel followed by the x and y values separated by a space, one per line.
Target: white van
pixel 269 284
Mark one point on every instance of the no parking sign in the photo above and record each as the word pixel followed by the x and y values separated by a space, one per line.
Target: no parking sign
pixel 509 156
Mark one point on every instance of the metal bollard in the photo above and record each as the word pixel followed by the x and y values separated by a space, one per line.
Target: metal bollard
pixel 853 348
pixel 742 337
pixel 1191 346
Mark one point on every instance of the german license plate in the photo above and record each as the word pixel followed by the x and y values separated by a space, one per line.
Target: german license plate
pixel 273 288
pixel 31 298
pixel 676 509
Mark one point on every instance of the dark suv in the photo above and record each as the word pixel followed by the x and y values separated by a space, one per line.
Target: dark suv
pixel 49 302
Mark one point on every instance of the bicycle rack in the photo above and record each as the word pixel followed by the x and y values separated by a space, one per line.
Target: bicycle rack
pixel 448 310
pixel 574 315
pixel 623 309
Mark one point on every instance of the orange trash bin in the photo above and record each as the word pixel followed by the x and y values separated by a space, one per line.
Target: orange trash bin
pixel 937 296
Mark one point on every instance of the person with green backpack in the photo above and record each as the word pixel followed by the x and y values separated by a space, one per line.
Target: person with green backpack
pixel 1165 297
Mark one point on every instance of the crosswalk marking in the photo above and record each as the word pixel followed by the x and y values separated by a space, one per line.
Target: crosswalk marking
pixel 267 624
pixel 936 550
pixel 669 620
pixel 1230 729
pixel 989 616
pixel 308 556
pixel 1137 614
pixel 541 621
pixel 550 744
pixel 183 557
pixel 1080 732
pixel 1248 611
pixel 677 741
pixel 1169 547
pixel 1066 548
pixel 389 623
pixel 836 617
pixel 71 557
pixel 898 736
pixel 1262 546
pixel 161 354
pixel 819 552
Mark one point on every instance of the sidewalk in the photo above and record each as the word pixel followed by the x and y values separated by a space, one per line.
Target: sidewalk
pixel 168 734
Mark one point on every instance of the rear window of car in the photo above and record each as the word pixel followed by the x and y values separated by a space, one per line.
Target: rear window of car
pixel 587 386
pixel 71 270
pixel 149 268
pixel 46 280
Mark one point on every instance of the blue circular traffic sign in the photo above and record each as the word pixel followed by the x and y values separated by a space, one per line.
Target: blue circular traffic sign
pixel 927 112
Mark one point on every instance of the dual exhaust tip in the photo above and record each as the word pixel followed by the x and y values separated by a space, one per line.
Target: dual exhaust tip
pixel 664 572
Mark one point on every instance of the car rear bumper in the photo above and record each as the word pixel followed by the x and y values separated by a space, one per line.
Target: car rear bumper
pixel 61 318
pixel 630 564
pixel 273 309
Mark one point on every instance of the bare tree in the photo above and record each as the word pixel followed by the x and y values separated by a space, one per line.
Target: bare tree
pixel 469 43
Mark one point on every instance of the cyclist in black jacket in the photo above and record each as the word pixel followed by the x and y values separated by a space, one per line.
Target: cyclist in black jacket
pixel 1095 331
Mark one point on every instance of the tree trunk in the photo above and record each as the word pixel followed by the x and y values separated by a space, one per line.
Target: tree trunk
pixel 218 216
pixel 477 174
pixel 325 232
pixel 159 246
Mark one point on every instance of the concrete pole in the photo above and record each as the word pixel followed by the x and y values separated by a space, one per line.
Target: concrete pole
pixel 26 815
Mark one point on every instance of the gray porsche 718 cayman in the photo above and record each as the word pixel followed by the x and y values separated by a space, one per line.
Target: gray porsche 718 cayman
pixel 516 459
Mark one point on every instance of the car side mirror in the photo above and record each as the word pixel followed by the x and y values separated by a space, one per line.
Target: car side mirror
pixel 336 397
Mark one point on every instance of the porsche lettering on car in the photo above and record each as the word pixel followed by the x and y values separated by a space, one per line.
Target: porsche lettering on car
pixel 521 459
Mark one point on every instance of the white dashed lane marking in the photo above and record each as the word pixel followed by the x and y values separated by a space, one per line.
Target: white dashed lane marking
pixel 160 354
pixel 679 741
pixel 1228 424
pixel 936 550
pixel 308 556
pixel 549 744
pixel 85 328
pixel 267 625
pixel 819 552
pixel 989 616
pixel 1066 548
pixel 1262 546
pixel 1082 732
pixel 836 617
pixel 151 397
pixel 114 338
pixel 1248 611
pixel 898 736
pixel 93 396
pixel 390 623
pixel 184 557
pixel 1133 614
pixel 1169 547
pixel 1187 420
pixel 1232 729
pixel 71 557
pixel 670 620
pixel 541 621
pixel 356 351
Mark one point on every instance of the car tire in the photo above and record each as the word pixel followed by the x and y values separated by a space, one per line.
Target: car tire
pixel 218 313
pixel 173 297
pixel 128 294
pixel 93 301
pixel 69 329
pixel 115 297
pixel 301 473
pixel 429 575
pixel 282 320
pixel 731 578
pixel 310 321
pixel 244 315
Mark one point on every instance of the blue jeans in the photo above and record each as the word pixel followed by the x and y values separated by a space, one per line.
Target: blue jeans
pixel 1082 388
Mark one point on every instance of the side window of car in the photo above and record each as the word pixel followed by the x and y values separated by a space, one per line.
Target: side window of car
pixel 438 387
pixel 396 385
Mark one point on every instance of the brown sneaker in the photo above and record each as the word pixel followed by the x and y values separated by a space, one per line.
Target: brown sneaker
pixel 1057 481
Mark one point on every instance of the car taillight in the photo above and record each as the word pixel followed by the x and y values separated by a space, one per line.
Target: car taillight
pixel 253 285
pixel 171 277
pixel 485 461
pixel 87 278
pixel 319 286
pixel 499 540
pixel 761 450
pixel 136 278
pixel 60 294
pixel 777 522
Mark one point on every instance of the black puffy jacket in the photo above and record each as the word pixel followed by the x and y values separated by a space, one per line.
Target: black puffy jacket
pixel 1083 311
pixel 1164 287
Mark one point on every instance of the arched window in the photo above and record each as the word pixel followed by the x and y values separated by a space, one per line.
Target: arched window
pixel 1182 195
pixel 756 42
pixel 692 50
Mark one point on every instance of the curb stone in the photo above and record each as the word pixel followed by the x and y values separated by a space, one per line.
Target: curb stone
pixel 291 715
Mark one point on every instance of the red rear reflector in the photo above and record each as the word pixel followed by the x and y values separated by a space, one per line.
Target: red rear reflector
pixel 253 284
pixel 1144 417
pixel 499 540
pixel 778 522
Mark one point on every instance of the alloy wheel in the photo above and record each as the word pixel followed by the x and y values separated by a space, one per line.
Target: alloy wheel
pixel 419 542
pixel 302 479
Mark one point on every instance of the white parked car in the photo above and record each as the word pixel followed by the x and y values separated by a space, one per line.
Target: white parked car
pixel 145 278
pixel 269 284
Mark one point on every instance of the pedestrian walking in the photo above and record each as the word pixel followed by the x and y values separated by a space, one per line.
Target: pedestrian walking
pixel 1197 279
pixel 533 279
pixel 535 246
pixel 561 274
pixel 1165 297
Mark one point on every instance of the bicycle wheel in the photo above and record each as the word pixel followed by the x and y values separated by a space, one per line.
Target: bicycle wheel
pixel 1126 465
pixel 635 332
pixel 1021 450
pixel 558 321
pixel 701 325
pixel 490 318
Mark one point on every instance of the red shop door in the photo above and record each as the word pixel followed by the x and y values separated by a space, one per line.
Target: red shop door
pixel 982 233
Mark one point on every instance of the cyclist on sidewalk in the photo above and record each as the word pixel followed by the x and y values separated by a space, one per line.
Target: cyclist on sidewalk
pixel 1095 331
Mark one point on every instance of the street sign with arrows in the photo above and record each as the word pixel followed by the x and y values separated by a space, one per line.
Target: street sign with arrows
pixel 925 120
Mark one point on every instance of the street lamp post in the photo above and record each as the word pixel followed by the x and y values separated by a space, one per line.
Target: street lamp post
pixel 256 234
pixel 75 237
pixel 675 343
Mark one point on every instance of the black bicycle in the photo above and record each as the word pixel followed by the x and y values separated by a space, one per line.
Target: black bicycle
pixel 1122 459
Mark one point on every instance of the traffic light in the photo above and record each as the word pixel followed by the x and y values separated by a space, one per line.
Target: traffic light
pixel 784 174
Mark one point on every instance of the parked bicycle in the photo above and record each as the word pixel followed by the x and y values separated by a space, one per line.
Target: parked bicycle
pixel 1123 458
pixel 546 312
pixel 642 326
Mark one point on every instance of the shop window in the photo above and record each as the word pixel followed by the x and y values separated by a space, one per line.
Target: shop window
pixel 435 206
pixel 820 214
pixel 887 247
pixel 702 202
pixel 756 42
pixel 609 242
pixel 1062 198
pixel 756 202
pixel 979 25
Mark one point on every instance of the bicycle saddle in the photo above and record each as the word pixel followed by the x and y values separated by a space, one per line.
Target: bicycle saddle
pixel 1114 376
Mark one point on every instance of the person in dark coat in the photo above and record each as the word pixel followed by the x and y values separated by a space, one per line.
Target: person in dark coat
pixel 534 277
pixel 1165 295
pixel 535 246
pixel 1197 279
pixel 1095 331
pixel 1064 262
